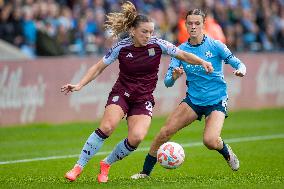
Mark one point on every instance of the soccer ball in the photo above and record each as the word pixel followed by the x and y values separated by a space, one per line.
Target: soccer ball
pixel 170 155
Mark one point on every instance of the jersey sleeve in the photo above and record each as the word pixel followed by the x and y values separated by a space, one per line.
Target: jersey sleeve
pixel 112 54
pixel 228 56
pixel 167 47
pixel 169 81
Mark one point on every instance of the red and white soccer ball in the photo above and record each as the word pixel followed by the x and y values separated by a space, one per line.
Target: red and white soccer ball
pixel 170 155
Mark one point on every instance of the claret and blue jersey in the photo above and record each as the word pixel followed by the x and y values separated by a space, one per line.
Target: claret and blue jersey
pixel 205 89
pixel 138 66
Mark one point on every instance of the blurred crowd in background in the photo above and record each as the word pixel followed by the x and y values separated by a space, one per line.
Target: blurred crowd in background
pixel 64 27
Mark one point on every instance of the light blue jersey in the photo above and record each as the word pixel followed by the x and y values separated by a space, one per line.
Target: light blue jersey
pixel 205 89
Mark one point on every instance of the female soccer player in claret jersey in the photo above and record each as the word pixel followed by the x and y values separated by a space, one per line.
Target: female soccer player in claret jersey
pixel 132 95
pixel 206 93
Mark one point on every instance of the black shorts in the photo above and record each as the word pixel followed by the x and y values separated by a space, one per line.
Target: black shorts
pixel 206 110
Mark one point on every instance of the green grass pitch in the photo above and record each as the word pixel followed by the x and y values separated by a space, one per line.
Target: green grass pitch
pixel 256 136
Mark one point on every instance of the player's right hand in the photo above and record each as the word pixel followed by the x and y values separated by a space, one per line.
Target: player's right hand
pixel 208 66
pixel 177 72
pixel 70 88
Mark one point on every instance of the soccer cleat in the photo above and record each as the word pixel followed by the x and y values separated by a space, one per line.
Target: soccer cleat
pixel 74 173
pixel 104 169
pixel 140 175
pixel 233 161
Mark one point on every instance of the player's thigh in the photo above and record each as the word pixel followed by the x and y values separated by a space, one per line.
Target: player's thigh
pixel 182 116
pixel 213 125
pixel 112 115
pixel 138 126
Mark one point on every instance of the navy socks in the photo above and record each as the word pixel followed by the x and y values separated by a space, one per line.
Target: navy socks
pixel 149 164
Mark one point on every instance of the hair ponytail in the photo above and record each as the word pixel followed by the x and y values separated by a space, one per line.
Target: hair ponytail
pixel 121 21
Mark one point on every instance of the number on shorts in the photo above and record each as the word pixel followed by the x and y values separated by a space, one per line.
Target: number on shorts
pixel 149 106
pixel 224 104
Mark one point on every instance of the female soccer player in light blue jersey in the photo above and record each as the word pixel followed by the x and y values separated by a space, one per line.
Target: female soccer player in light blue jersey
pixel 206 93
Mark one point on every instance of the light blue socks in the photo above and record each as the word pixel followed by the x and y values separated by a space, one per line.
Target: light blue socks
pixel 91 147
pixel 122 149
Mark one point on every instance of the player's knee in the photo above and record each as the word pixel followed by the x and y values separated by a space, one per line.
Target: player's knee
pixel 107 127
pixel 135 139
pixel 210 142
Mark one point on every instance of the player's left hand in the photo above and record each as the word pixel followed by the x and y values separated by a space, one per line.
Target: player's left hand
pixel 241 72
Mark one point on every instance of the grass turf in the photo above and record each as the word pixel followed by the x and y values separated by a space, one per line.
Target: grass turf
pixel 262 161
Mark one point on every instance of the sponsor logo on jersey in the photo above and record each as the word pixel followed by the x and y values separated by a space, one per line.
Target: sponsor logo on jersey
pixel 129 55
pixel 151 52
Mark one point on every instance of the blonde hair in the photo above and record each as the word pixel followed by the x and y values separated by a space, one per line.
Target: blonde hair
pixel 120 22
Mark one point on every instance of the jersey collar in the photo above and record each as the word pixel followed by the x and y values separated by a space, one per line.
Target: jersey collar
pixel 197 45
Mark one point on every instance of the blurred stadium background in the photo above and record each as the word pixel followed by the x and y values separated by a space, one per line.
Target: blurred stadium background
pixel 47 43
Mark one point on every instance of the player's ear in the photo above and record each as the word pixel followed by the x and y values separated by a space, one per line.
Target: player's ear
pixel 131 32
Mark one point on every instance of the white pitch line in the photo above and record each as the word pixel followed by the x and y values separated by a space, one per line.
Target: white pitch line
pixel 232 140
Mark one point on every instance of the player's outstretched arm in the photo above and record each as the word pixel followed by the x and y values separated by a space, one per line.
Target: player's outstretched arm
pixel 91 74
pixel 193 59
pixel 236 63
pixel 229 58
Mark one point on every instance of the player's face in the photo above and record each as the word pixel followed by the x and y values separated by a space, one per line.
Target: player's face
pixel 142 33
pixel 195 25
